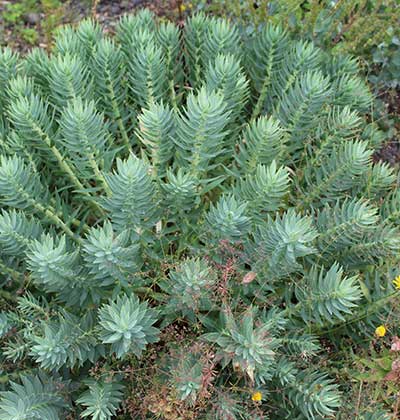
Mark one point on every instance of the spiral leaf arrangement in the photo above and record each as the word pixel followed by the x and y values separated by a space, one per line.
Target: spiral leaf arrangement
pixel 195 180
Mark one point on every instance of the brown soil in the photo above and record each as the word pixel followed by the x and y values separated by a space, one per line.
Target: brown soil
pixel 107 12
pixel 390 151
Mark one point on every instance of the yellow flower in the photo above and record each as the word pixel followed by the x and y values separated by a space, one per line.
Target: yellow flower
pixel 257 396
pixel 396 282
pixel 380 331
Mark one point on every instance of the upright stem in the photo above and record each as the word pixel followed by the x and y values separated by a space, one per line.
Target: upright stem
pixel 67 169
pixel 98 173
pixel 51 214
pixel 173 94
pixel 124 134
pixel 118 116
pixel 74 221
pixel 9 272
pixel 265 85
pixel 64 165
pixel 261 99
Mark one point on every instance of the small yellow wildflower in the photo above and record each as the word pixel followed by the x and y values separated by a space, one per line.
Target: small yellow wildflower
pixel 396 282
pixel 257 396
pixel 380 331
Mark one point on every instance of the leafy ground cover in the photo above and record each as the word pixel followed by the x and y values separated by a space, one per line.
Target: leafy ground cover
pixel 364 28
pixel 276 258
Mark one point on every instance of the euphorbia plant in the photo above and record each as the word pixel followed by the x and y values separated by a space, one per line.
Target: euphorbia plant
pixel 187 180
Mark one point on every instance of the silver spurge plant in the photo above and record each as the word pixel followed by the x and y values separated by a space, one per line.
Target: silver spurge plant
pixel 190 180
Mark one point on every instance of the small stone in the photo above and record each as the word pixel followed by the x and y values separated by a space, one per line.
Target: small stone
pixel 32 18
pixel 249 277
pixel 115 9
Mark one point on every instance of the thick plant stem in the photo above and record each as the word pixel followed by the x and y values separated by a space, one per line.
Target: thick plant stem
pixel 67 169
pixel 51 214
pixel 263 93
pixel 98 174
pixel 7 295
pixel 118 116
pixel 173 95
pixel 74 221
pixel 316 190
pixel 49 211
pixel 260 101
pixel 171 80
pixel 121 128
pixel 148 292
pixel 124 134
pixel 61 162
pixel 64 165
pixel 7 271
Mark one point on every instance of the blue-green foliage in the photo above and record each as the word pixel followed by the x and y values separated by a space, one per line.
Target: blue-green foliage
pixel 101 399
pixel 126 324
pixel 203 201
